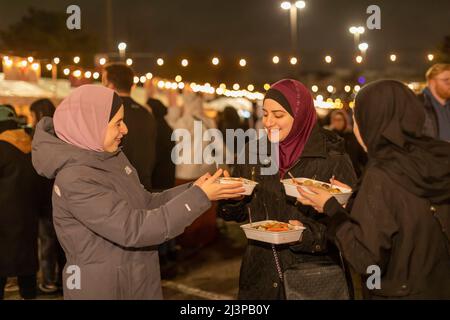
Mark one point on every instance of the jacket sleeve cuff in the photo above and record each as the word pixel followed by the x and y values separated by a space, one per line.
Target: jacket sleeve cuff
pixel 331 207
pixel 182 210
pixel 338 215
pixel 230 210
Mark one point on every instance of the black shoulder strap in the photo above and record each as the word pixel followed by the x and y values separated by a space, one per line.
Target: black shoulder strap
pixel 442 215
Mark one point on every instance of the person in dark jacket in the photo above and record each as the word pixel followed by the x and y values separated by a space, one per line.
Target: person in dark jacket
pixel 18 218
pixel 139 145
pixel 163 176
pixel 399 217
pixel 51 255
pixel 436 101
pixel 340 124
pixel 107 223
pixel 229 119
pixel 305 150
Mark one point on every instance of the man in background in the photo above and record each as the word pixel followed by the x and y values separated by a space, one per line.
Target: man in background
pixel 139 145
pixel 436 100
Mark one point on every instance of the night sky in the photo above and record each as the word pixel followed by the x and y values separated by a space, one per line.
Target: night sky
pixel 259 29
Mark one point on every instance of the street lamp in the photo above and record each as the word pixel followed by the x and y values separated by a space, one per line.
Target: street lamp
pixel 363 48
pixel 300 4
pixel 122 47
pixel 285 5
pixel 357 32
pixel 293 7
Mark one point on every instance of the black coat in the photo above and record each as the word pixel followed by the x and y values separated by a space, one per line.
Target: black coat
pixel 163 176
pixel 354 150
pixel 18 216
pixel 322 157
pixel 392 228
pixel 139 145
pixel 431 125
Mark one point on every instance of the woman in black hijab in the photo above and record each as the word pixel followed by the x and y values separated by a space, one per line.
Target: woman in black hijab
pixel 401 210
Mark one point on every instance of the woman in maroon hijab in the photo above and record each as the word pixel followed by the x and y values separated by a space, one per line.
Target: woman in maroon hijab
pixel 305 150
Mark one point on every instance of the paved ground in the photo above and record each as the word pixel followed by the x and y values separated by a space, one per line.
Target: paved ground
pixel 210 273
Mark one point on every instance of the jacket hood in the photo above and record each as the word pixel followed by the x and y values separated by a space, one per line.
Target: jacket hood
pixel 50 154
pixel 322 142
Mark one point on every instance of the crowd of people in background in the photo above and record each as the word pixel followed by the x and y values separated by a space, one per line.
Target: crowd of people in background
pixel 28 242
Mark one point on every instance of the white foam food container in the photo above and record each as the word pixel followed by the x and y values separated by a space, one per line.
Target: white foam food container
pixel 290 188
pixel 248 185
pixel 274 237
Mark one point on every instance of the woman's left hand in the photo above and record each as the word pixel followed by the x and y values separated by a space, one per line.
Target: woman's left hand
pixel 316 200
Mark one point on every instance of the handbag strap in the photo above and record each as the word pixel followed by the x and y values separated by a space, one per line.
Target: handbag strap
pixel 444 226
pixel 277 262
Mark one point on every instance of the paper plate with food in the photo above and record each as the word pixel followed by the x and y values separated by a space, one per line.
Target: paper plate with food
pixel 290 186
pixel 274 232
pixel 248 185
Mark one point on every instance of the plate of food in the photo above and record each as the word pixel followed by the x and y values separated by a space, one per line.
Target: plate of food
pixel 274 232
pixel 290 186
pixel 248 185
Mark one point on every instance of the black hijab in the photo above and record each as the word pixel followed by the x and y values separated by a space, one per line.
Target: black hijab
pixel 390 119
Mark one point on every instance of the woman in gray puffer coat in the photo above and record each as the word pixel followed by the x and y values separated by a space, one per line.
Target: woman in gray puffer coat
pixel 108 225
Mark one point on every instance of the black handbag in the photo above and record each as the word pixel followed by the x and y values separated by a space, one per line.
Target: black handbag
pixel 319 279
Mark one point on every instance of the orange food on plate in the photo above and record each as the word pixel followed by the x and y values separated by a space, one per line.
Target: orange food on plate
pixel 275 229
pixel 275 226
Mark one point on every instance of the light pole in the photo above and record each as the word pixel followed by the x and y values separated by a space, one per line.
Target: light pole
pixel 54 70
pixel 292 7
pixel 357 32
pixel 122 47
